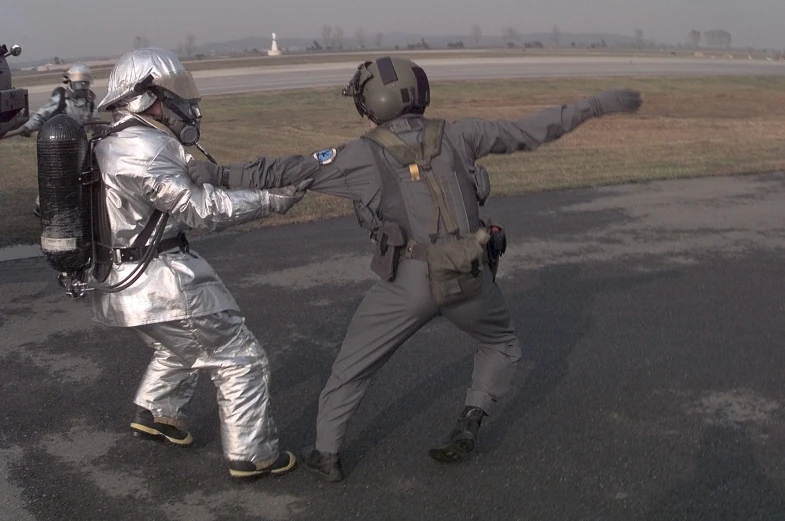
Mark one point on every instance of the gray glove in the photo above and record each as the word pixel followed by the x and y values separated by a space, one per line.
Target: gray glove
pixel 617 100
pixel 283 199
pixel 202 172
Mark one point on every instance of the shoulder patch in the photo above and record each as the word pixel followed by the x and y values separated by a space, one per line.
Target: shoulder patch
pixel 327 156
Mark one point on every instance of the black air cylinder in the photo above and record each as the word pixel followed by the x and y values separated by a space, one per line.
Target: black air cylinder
pixel 66 239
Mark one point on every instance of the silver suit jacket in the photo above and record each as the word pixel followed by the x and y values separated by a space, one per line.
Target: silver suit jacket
pixel 144 168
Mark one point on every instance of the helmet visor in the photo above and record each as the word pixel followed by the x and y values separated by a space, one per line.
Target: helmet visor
pixel 180 83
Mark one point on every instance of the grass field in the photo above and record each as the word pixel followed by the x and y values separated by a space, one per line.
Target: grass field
pixel 687 127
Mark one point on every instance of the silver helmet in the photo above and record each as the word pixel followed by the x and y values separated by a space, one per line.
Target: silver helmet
pixel 78 77
pixel 143 76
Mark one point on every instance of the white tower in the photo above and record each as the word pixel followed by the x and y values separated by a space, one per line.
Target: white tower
pixel 274 50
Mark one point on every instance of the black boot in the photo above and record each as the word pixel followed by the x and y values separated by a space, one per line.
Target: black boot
pixel 246 470
pixel 145 427
pixel 326 466
pixel 462 439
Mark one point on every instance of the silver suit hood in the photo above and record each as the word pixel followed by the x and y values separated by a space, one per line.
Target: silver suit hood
pixel 134 67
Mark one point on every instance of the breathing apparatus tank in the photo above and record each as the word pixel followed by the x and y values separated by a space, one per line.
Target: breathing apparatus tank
pixel 69 184
pixel 66 234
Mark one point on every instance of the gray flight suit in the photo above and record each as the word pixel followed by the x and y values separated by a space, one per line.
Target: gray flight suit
pixel 393 311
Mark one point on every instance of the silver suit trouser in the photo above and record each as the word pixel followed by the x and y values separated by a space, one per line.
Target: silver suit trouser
pixel 222 345
pixel 389 315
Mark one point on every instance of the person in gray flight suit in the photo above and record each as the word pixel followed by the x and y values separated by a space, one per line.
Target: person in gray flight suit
pixel 75 99
pixel 416 187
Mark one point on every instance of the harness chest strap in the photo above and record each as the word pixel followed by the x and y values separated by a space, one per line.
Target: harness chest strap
pixel 419 161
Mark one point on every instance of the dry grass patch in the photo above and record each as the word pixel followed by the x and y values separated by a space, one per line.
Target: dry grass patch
pixel 687 127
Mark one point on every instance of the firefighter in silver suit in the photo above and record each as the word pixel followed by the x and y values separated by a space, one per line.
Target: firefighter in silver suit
pixel 179 306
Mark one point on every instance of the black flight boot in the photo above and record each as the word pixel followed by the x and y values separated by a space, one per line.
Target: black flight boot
pixel 144 427
pixel 326 466
pixel 462 439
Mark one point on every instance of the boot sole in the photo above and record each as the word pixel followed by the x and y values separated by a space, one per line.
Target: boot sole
pixel 322 475
pixel 253 474
pixel 454 452
pixel 144 432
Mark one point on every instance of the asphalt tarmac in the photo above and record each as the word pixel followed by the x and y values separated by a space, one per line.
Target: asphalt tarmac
pixel 651 386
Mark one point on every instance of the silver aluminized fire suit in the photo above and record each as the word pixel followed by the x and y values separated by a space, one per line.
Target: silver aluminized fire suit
pixel 65 101
pixel 180 307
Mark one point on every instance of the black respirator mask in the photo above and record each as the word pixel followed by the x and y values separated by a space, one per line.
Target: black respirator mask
pixel 181 116
pixel 81 88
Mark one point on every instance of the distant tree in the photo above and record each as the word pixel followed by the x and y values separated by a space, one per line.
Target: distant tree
pixel 57 60
pixel 603 43
pixel 456 45
pixel 511 36
pixel 725 39
pixel 476 35
pixel 555 35
pixel 397 47
pixel 572 44
pixel 338 37
pixel 717 38
pixel 137 42
pixel 422 44
pixel 188 45
pixel 359 35
pixel 379 39
pixel 639 38
pixel 327 36
pixel 315 46
pixel 695 38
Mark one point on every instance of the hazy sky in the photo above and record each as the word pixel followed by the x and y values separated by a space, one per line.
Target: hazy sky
pixel 89 27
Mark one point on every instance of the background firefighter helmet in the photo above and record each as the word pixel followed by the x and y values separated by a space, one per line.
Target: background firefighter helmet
pixel 142 76
pixel 388 88
pixel 78 77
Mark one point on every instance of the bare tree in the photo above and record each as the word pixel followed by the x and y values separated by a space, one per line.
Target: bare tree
pixel 511 36
pixel 359 35
pixel 717 38
pixel 338 37
pixel 379 39
pixel 639 38
pixel 188 45
pixel 555 35
pixel 476 34
pixel 695 38
pixel 141 42
pixel 725 38
pixel 327 36
pixel 709 39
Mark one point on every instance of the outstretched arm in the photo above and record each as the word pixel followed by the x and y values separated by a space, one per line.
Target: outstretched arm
pixel 260 173
pixel 166 184
pixel 344 171
pixel 483 137
pixel 43 115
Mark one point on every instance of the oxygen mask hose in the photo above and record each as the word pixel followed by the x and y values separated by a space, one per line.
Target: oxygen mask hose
pixel 206 153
